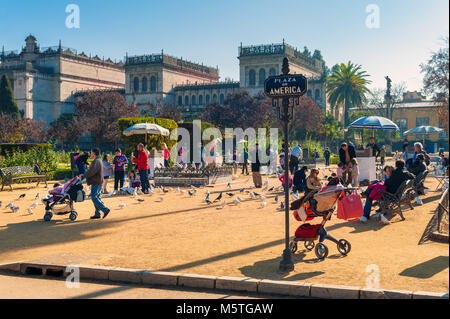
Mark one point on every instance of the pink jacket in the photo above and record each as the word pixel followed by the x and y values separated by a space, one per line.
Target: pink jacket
pixel 282 177
pixel 374 195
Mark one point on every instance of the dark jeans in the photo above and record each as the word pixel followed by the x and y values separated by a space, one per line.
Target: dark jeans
pixel 119 176
pixel 368 207
pixel 166 163
pixel 245 167
pixel 143 174
pixel 327 161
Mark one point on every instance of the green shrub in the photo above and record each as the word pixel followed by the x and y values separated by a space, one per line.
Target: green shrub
pixel 153 141
pixel 6 148
pixel 46 157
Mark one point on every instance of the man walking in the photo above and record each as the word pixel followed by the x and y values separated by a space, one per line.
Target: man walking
pixel 256 165
pixel 94 178
pixel 326 155
pixel 142 166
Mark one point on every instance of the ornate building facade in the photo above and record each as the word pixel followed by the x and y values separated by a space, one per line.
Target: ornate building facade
pixel 45 81
pixel 158 77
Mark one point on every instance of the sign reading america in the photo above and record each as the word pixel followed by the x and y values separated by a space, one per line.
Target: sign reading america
pixel 286 85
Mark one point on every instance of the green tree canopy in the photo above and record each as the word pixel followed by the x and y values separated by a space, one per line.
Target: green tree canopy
pixel 346 86
pixel 8 104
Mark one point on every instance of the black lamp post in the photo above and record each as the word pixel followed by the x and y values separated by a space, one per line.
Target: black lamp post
pixel 287 88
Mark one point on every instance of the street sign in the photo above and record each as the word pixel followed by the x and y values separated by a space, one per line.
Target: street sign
pixel 285 85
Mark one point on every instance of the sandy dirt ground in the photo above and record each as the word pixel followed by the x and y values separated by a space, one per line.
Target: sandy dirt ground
pixel 183 234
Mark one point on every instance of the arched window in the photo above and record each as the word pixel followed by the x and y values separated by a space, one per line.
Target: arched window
pixel 221 98
pixel 180 100
pixel 136 84
pixel 152 84
pixel 200 100
pixel 272 72
pixel 252 78
pixel 262 76
pixel 309 93
pixel 144 84
pixel 214 98
pixel 317 94
pixel 207 98
pixel 186 100
pixel 193 100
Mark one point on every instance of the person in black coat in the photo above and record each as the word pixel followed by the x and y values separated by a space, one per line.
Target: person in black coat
pixel 300 179
pixel 418 165
pixel 399 175
pixel 375 149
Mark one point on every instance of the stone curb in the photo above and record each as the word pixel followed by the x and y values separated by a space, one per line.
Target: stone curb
pixel 241 284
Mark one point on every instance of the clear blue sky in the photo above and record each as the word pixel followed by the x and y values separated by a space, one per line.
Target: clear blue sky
pixel 211 31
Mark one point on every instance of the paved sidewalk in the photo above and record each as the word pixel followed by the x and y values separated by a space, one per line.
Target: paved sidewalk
pixel 14 286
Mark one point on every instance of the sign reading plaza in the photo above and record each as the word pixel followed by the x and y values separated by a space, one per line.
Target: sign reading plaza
pixel 286 85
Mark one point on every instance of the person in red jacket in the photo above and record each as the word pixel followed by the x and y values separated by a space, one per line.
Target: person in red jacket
pixel 142 166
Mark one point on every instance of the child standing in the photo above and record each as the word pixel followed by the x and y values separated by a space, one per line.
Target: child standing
pixel 355 172
pixel 120 162
pixel 340 172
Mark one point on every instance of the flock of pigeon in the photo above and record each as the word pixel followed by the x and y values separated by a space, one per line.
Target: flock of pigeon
pixel 15 209
pixel 224 197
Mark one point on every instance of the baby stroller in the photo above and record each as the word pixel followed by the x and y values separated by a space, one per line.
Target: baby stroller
pixel 60 199
pixel 318 204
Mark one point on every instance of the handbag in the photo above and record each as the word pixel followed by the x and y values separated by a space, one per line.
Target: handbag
pixel 350 207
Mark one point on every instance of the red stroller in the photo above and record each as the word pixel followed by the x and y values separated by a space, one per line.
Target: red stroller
pixel 318 204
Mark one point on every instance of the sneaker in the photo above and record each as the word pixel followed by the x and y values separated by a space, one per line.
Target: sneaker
pixel 419 201
pixel 105 213
pixel 363 219
pixel 384 220
pixel 95 217
pixel 115 192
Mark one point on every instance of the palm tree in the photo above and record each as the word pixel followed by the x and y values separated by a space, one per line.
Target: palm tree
pixel 346 86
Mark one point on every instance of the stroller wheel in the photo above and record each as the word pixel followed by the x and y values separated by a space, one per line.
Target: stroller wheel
pixel 321 251
pixel 309 245
pixel 48 216
pixel 293 246
pixel 344 246
pixel 73 215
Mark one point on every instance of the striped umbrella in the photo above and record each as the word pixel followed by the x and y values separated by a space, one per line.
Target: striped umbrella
pixel 424 129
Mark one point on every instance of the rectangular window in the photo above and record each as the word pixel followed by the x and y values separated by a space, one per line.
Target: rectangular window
pixel 442 134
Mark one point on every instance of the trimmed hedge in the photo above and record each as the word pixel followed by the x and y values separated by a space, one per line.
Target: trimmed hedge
pixel 6 148
pixel 153 141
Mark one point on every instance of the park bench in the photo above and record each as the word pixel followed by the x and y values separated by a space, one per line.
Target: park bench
pixel 391 204
pixel 10 175
pixel 418 187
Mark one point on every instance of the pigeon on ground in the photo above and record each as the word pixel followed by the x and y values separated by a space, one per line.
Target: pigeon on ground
pixel 230 194
pixel 140 199
pixel 252 195
pixel 271 189
pixel 161 198
pixel 266 182
pixel 183 191
pixel 10 204
pixel 263 204
pixel 265 188
pixel 282 206
pixel 34 205
pixel 165 190
pixel 276 198
pixel 223 203
pixel 241 190
pixel 229 185
pixel 237 201
pixel 191 193
pixel 30 210
pixel 261 197
pixel 21 196
pixel 37 196
pixel 218 197
pixel 207 201
pixel 122 205
pixel 256 194
pixel 14 209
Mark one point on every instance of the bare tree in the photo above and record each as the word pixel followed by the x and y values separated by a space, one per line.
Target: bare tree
pixel 377 98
